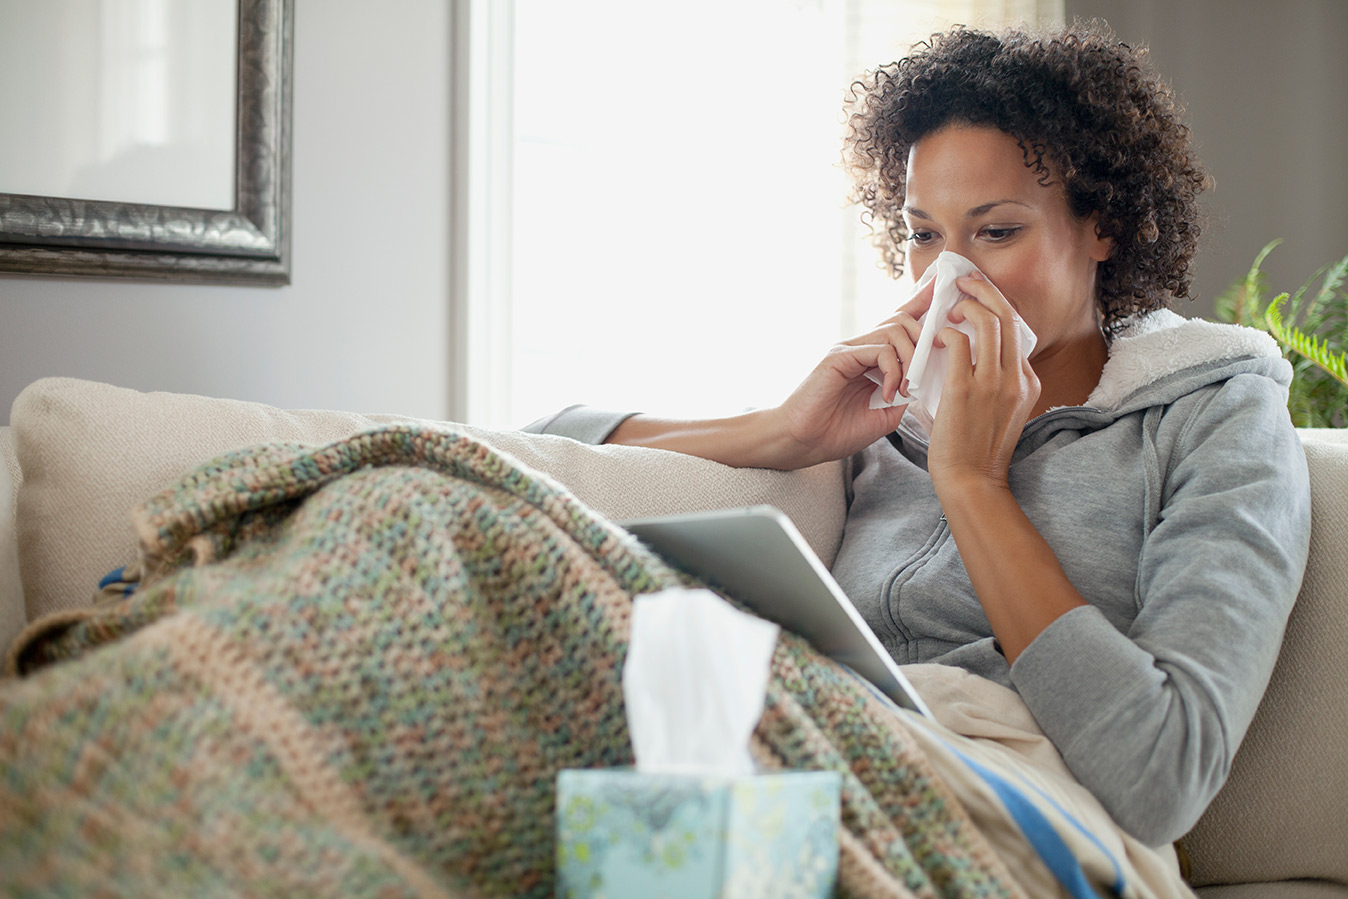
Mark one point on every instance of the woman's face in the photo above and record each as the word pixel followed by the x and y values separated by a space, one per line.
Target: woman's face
pixel 969 191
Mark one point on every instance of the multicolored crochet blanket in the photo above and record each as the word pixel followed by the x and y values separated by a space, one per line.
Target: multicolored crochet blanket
pixel 357 669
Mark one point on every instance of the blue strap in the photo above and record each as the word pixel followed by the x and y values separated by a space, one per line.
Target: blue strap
pixel 1039 832
pixel 112 577
pixel 116 576
pixel 1041 835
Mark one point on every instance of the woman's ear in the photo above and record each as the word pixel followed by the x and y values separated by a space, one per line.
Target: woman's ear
pixel 1101 247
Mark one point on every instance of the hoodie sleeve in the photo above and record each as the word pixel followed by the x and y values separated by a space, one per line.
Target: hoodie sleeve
pixel 583 423
pixel 1149 720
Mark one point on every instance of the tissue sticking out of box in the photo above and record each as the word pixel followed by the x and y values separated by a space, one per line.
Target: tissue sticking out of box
pixel 694 682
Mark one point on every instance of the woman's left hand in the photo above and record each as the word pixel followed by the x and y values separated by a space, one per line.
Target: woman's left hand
pixel 984 406
pixel 986 400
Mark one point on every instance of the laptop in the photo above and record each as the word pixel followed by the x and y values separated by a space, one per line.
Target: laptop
pixel 757 555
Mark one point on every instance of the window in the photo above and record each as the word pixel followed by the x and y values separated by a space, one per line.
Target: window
pixel 656 216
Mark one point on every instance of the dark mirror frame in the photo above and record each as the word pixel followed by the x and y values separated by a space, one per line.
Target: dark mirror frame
pixel 249 244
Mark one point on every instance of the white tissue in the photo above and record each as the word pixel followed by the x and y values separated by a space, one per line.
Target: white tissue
pixel 927 370
pixel 694 682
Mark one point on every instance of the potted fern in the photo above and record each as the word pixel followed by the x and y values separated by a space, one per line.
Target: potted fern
pixel 1311 326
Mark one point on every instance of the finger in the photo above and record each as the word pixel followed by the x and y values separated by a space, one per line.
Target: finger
pixel 906 341
pixel 884 331
pixel 989 329
pixel 888 363
pixel 852 361
pixel 1027 371
pixel 893 363
pixel 986 293
pixel 1014 348
pixel 955 315
pixel 900 328
pixel 961 356
pixel 902 337
pixel 920 302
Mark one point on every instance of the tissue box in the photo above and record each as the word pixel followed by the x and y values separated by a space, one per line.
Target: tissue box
pixel 621 832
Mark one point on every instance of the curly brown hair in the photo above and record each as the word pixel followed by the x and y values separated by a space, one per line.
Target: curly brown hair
pixel 1085 108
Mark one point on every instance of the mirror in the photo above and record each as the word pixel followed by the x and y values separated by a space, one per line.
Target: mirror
pixel 167 139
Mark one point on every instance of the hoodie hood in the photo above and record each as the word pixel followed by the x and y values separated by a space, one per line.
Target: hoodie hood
pixel 1161 356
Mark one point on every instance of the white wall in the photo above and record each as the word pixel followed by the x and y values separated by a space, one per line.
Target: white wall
pixel 1265 86
pixel 364 324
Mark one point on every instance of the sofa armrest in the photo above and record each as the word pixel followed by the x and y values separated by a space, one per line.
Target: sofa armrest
pixel 1282 815
pixel 12 615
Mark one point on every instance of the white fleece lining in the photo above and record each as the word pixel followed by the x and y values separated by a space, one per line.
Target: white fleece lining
pixel 1161 343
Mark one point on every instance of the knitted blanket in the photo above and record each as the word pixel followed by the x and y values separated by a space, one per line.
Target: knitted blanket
pixel 357 669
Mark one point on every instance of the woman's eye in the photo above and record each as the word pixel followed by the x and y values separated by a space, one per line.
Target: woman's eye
pixel 996 235
pixel 922 237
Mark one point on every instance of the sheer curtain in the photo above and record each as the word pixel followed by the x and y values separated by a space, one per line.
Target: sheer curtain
pixel 651 213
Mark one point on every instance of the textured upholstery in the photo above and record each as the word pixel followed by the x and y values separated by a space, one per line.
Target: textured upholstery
pixel 12 615
pixel 1299 738
pixel 90 452
pixel 1287 889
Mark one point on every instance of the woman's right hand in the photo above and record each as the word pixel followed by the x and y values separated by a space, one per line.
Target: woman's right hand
pixel 829 416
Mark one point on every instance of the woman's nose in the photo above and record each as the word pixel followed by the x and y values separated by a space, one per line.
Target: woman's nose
pixel 966 249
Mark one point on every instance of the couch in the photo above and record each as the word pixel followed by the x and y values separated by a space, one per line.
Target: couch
pixel 78 455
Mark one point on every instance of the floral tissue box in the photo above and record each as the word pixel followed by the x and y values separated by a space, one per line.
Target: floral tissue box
pixel 621 832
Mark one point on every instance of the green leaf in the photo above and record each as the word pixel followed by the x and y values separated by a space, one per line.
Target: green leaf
pixel 1308 345
pixel 1242 302
pixel 1334 278
pixel 1311 327
pixel 1320 312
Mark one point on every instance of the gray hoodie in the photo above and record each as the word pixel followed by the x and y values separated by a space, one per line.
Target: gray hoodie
pixel 1177 501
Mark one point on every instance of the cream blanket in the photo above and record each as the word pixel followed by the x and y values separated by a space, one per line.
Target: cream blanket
pixel 981 724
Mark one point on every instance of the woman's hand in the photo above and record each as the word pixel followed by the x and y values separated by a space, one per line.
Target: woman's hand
pixel 985 401
pixel 1018 580
pixel 829 416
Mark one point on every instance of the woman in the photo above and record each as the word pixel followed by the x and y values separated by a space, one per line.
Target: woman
pixel 1114 526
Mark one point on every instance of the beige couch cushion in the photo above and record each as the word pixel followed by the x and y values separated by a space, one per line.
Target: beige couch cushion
pixel 1284 812
pixel 90 452
pixel 12 616
pixel 1286 889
